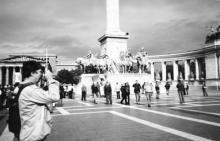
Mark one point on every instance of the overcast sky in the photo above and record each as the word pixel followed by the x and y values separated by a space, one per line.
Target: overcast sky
pixel 71 27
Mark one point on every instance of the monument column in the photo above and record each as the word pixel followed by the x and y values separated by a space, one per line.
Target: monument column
pixel 164 72
pixel 197 69
pixel 114 41
pixel 7 76
pixel 152 70
pixel 187 70
pixel 175 70
pixel 112 9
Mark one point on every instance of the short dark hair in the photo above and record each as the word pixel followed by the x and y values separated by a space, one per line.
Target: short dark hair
pixel 30 67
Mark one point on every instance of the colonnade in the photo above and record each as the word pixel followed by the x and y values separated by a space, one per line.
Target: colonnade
pixel 9 75
pixel 192 69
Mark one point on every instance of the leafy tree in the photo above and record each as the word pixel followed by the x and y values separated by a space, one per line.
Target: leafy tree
pixel 65 76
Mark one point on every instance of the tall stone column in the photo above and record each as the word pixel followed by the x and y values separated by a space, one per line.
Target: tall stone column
pixel 7 76
pixel 175 70
pixel 1 75
pixel 197 69
pixel 187 69
pixel 152 70
pixel 112 16
pixel 164 71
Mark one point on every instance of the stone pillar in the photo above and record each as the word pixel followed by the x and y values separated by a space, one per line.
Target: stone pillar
pixel 175 70
pixel 13 75
pixel 152 70
pixel 164 71
pixel 20 70
pixel 187 69
pixel 112 16
pixel 1 75
pixel 7 76
pixel 197 69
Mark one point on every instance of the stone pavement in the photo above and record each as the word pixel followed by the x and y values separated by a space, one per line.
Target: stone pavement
pixel 197 119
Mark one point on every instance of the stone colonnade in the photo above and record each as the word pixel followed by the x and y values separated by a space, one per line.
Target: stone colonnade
pixel 188 69
pixel 10 74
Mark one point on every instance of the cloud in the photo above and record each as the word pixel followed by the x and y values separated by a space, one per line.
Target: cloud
pixel 70 28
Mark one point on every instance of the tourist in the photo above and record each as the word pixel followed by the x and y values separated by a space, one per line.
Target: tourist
pixel 127 92
pixel 137 89
pixel 180 89
pixel 36 121
pixel 123 93
pixel 102 83
pixel 167 86
pixel 157 88
pixel 95 91
pixel 61 94
pixel 186 88
pixel 204 89
pixel 117 90
pixel 108 92
pixel 84 91
pixel 148 91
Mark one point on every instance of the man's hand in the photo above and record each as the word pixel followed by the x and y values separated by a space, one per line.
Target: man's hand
pixel 48 75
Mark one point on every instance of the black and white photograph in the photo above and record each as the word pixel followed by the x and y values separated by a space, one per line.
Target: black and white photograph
pixel 109 70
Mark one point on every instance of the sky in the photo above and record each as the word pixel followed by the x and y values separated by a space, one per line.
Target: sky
pixel 70 28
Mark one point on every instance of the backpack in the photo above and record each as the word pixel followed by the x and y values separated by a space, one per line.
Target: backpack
pixel 14 123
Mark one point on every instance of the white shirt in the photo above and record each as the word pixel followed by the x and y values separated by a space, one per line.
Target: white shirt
pixel 36 121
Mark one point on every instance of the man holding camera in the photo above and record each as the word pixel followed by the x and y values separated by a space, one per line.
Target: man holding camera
pixel 36 121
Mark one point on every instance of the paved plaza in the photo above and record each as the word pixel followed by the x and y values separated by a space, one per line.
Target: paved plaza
pixel 197 119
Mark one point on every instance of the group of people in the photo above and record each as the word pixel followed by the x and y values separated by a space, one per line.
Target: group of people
pixel 122 91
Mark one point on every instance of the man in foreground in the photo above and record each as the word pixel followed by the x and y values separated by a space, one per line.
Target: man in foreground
pixel 36 121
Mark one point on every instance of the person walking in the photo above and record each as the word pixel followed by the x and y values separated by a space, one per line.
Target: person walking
pixel 117 90
pixel 84 91
pixel 95 91
pixel 148 91
pixel 123 93
pixel 36 121
pixel 204 89
pixel 180 89
pixel 167 86
pixel 127 92
pixel 157 88
pixel 108 92
pixel 137 89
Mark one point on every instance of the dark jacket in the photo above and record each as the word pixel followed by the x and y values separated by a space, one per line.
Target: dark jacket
pixel 137 88
pixel 107 89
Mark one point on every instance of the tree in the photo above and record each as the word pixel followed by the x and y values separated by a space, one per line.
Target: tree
pixel 64 76
pixel 76 75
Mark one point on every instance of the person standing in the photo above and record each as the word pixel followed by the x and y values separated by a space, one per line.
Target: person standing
pixel 108 92
pixel 186 88
pixel 180 89
pixel 148 91
pixel 36 121
pixel 123 93
pixel 84 91
pixel 127 92
pixel 167 86
pixel 137 89
pixel 204 89
pixel 95 91
pixel 157 88
pixel 117 90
